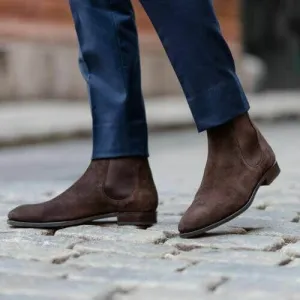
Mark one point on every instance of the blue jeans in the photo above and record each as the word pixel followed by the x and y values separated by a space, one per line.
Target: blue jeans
pixel 110 63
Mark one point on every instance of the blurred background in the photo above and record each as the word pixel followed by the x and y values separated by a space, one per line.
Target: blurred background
pixel 43 96
pixel 38 51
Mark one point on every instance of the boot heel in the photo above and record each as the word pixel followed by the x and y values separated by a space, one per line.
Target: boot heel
pixel 137 218
pixel 271 174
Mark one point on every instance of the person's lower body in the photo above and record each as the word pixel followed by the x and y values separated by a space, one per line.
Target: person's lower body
pixel 119 181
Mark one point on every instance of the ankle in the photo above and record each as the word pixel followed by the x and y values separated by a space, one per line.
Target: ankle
pixel 247 138
pixel 236 136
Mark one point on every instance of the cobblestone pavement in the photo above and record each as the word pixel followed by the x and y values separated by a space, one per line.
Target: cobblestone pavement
pixel 256 256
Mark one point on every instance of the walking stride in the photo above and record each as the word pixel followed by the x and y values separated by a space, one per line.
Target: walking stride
pixel 118 182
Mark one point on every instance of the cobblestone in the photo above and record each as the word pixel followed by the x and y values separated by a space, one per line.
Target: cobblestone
pixel 288 231
pixel 123 247
pixel 129 234
pixel 229 256
pixel 27 297
pixel 254 257
pixel 258 288
pixel 269 214
pixel 10 266
pixel 55 288
pixel 256 272
pixel 292 250
pixel 163 293
pixel 129 276
pixel 117 260
pixel 295 263
pixel 6 229
pixel 236 242
pixel 22 245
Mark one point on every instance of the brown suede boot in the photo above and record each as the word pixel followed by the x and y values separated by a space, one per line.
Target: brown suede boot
pixel 239 162
pixel 122 188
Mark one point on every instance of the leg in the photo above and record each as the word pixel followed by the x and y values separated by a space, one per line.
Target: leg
pixel 201 58
pixel 109 60
pixel 118 181
pixel 239 158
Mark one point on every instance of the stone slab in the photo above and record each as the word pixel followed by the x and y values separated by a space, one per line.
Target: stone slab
pixel 292 250
pixel 288 231
pixel 37 286
pixel 30 246
pixel 28 297
pixel 234 242
pixel 118 260
pixel 238 257
pixel 269 215
pixel 129 234
pixel 10 266
pixel 123 247
pixel 163 293
pixel 254 272
pixel 258 288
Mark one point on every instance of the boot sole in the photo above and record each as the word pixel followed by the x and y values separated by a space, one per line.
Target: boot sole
pixel 126 218
pixel 266 180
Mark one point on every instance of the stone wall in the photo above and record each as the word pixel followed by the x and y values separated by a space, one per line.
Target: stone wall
pixel 38 51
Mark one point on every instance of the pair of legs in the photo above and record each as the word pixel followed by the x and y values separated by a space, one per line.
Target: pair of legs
pixel 119 181
pixel 110 63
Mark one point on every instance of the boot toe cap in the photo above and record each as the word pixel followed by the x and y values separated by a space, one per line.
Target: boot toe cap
pixel 22 213
pixel 192 220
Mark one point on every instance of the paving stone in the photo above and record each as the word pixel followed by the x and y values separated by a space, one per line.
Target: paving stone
pixel 155 277
pixel 250 223
pixel 12 266
pixel 36 253
pixel 229 256
pixel 125 276
pixel 65 289
pixel 129 234
pixel 117 260
pixel 277 196
pixel 167 224
pixel 147 263
pixel 233 270
pixel 258 288
pixel 123 247
pixel 235 242
pixel 5 228
pixel 287 231
pixel 292 250
pixel 27 297
pixel 163 293
pixel 37 247
pixel 270 215
pixel 226 230
pixel 41 240
pixel 295 263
